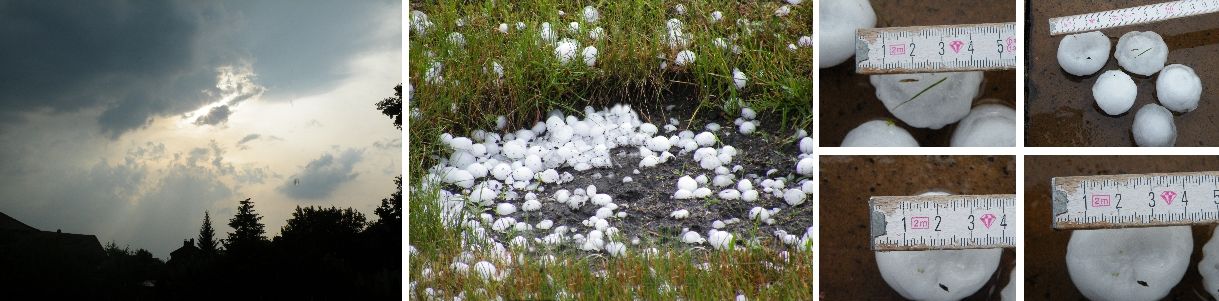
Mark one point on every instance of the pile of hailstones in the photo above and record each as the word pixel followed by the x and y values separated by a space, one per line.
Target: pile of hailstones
pixel 1178 88
pixel 497 172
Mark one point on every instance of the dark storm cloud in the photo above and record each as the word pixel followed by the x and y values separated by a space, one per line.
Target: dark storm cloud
pixel 323 176
pixel 216 115
pixel 134 59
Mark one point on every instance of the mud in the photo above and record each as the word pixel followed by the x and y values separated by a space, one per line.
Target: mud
pixel 848 99
pixel 847 264
pixel 1045 267
pixel 1060 110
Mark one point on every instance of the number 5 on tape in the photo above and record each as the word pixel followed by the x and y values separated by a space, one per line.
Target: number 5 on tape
pixel 943 222
pixel 946 48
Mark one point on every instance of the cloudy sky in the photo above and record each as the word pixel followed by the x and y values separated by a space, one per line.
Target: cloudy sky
pixel 129 119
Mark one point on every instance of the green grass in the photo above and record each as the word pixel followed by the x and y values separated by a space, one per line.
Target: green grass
pixel 627 71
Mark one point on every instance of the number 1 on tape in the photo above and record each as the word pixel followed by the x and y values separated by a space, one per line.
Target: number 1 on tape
pixel 943 222
pixel 946 48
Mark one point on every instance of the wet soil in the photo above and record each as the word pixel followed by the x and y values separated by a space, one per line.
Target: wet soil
pixel 848 265
pixel 1045 265
pixel 647 199
pixel 848 99
pixel 1060 110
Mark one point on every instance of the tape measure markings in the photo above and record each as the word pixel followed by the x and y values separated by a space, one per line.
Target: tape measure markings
pixel 1135 200
pixel 1131 16
pixel 942 222
pixel 943 48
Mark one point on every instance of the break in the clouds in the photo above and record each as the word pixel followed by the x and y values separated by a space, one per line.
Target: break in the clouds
pixel 129 119
pixel 320 178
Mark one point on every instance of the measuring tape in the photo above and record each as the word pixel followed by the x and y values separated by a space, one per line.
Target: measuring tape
pixel 943 222
pixel 1131 16
pixel 945 48
pixel 1137 200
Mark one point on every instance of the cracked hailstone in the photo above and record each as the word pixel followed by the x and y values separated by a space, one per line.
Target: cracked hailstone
pixel 928 100
pixel 1083 54
pixel 566 50
pixel 1128 264
pixel 1178 88
pixel 1209 266
pixel 877 133
pixel 839 20
pixel 1114 92
pixel 937 274
pixel 1143 53
pixel 1153 126
pixel 987 125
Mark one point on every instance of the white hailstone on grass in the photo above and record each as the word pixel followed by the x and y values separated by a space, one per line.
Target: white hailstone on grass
pixel 720 240
pixel 433 74
pixel 531 205
pixel 878 133
pixel 604 213
pixel 928 100
pixel 649 162
pixel 505 208
pixel 938 274
pixel 839 20
pixel 549 176
pixel 596 34
pixel 1153 126
pixel 1178 88
pixel 718 224
pixel 591 15
pixel 502 224
pixel 503 27
pixel 807 187
pixel 544 224
pixel 1129 263
pixel 601 199
pixel 720 43
pixel 722 180
pixel 1114 92
pixel 1083 54
pixel 573 27
pixel 460 143
pixel 477 170
pixel 485 269
pixel 759 214
pixel 692 237
pixel 658 144
pixel 805 41
pixel 702 192
pixel 483 196
pixel 806 145
pixel 710 162
pixel 419 22
pixel 590 55
pixel 987 125
pixel 547 34
pixel 744 185
pixel 716 16
pixel 782 11
pixel 794 197
pixel 679 9
pixel 805 166
pixel 460 267
pixel 457 39
pixel 562 195
pixel 747 113
pixel 1143 53
pixel 501 121
pixel 705 139
pixel 674 35
pixel 682 194
pixel 565 51
pixel 522 173
pixel 520 25
pixel 498 69
pixel 729 194
pixel 680 214
pixel 615 249
pixel 747 128
pixel 514 149
pixel 460 178
pixel 749 196
pixel 683 58
pixel 687 183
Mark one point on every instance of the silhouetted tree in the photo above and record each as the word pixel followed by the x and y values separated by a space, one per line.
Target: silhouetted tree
pixel 207 236
pixel 248 230
pixel 390 210
pixel 392 107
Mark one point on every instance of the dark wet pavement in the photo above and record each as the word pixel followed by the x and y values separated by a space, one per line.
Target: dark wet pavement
pixel 848 99
pixel 1060 110
pixel 848 265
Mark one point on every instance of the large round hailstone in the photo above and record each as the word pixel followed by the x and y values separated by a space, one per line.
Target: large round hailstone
pixel 566 50
pixel 987 125
pixel 937 274
pixel 590 55
pixel 839 20
pixel 928 100
pixel 1114 92
pixel 1178 88
pixel 805 166
pixel 1128 264
pixel 1084 54
pixel 878 133
pixel 1153 126
pixel 1141 52
pixel 1209 266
